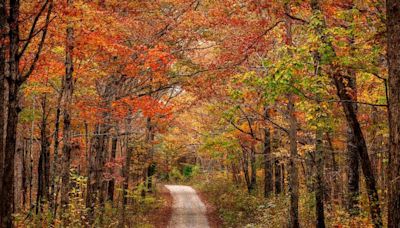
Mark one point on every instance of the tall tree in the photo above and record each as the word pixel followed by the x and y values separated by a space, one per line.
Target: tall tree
pixel 293 170
pixel 3 48
pixel 393 55
pixel 67 131
pixel 15 78
pixel 340 81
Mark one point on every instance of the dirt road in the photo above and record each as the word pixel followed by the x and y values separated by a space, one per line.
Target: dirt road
pixel 188 210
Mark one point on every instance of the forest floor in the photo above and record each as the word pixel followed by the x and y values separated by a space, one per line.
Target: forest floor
pixel 185 208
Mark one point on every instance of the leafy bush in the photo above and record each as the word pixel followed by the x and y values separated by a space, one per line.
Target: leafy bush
pixel 236 207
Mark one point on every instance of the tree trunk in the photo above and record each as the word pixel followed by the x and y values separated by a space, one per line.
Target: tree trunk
pixel 111 183
pixel 150 166
pixel 55 166
pixel 278 177
pixel 268 181
pixel 24 173
pixel 293 171
pixel 44 162
pixel 352 121
pixel 362 152
pixel 253 177
pixel 334 170
pixel 7 193
pixel 245 167
pixel 67 132
pixel 353 184
pixel 126 174
pixel 3 37
pixel 96 166
pixel 319 177
pixel 393 55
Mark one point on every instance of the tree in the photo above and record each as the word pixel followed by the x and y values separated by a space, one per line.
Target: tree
pixel 393 55
pixel 15 79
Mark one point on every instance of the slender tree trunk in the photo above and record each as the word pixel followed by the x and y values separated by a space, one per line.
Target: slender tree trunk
pixel 268 181
pixel 245 167
pixel 393 55
pixel 67 131
pixel 278 177
pixel 293 170
pixel 334 171
pixel 253 177
pixel 24 174
pixel 3 48
pixel 43 167
pixel 111 183
pixel 126 174
pixel 150 167
pixel 55 165
pixel 319 176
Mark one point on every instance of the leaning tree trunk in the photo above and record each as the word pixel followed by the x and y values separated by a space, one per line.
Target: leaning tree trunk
pixel 353 184
pixel 352 121
pixel 393 54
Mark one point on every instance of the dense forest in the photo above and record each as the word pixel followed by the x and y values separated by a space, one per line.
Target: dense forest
pixel 280 113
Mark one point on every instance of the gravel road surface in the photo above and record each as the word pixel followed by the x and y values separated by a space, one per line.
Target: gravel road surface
pixel 188 210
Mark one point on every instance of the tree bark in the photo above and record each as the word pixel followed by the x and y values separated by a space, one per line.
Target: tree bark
pixel 393 55
pixel 3 48
pixel 7 193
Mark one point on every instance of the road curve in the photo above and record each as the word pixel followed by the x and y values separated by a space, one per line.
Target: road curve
pixel 188 210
